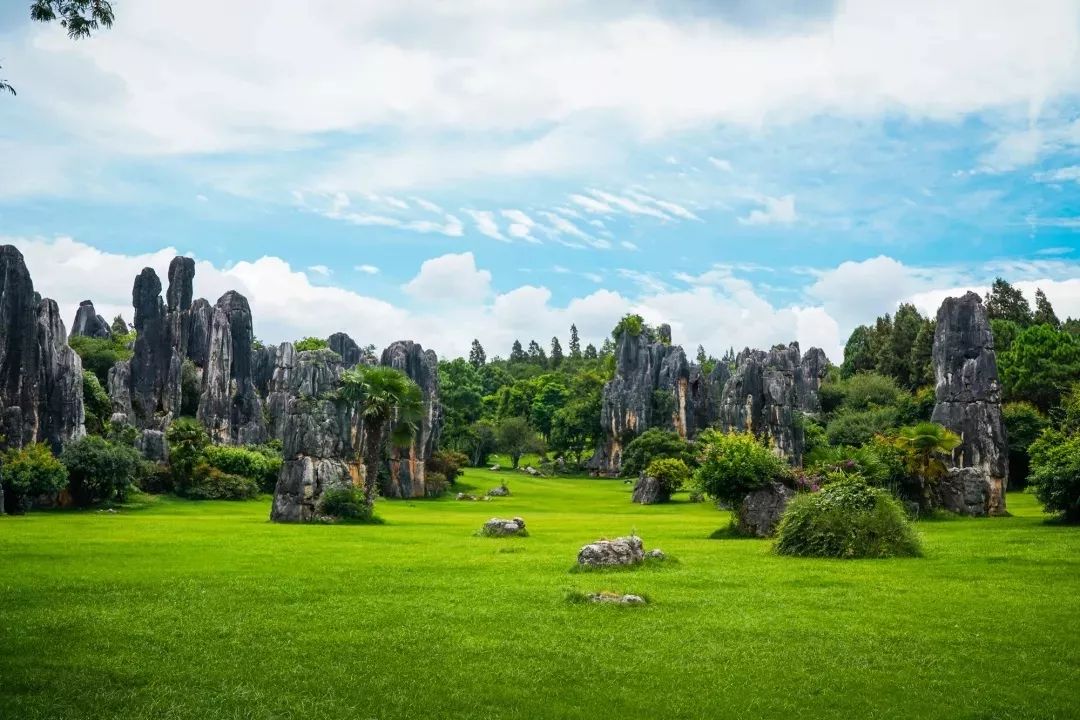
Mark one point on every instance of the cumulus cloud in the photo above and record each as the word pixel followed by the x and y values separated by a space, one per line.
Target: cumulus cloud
pixel 452 278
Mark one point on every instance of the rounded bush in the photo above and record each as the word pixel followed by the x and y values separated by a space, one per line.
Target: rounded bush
pixel 848 519
pixel 670 472
pixel 259 464
pixel 209 483
pixel 734 464
pixel 100 471
pixel 1055 474
pixel 344 504
pixel 28 473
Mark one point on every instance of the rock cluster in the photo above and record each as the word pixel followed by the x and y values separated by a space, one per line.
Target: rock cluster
pixel 229 406
pixel 610 598
pixel 969 403
pixel 498 527
pixel 761 510
pixel 500 491
pixel 88 323
pixel 41 397
pixel 605 553
pixel 656 387
pixel 407 465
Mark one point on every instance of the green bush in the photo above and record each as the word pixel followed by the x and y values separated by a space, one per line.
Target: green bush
pixel 98 355
pixel 1055 474
pixel 650 445
pixel 100 471
pixel 28 473
pixel 847 519
pixel 257 463
pixel 209 483
pixel 187 439
pixel 435 484
pixel 97 405
pixel 345 504
pixel 734 464
pixel 310 343
pixel 672 473
pixel 449 463
pixel 856 427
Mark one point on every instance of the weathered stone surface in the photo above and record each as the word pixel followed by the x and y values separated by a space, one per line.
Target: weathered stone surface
pixel 649 491
pixel 152 445
pixel 498 527
pixel 812 369
pixel 230 407
pixel 346 347
pixel 200 319
pixel 181 276
pixel 969 398
pixel 610 598
pixel 312 374
pixel 965 491
pixel 40 376
pixel 620 551
pixel 761 510
pixel 500 491
pixel 263 364
pixel 407 473
pixel 88 323
pixel 303 481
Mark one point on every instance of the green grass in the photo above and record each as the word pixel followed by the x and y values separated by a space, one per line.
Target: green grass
pixel 176 609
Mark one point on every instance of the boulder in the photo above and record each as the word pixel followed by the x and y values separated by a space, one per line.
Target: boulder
pixel 761 510
pixel 656 554
pixel 965 491
pixel 530 470
pixel 498 527
pixel 968 399
pixel 40 376
pixel 88 323
pixel 500 491
pixel 610 598
pixel 229 406
pixel 620 551
pixel 152 445
pixel 407 465
pixel 649 491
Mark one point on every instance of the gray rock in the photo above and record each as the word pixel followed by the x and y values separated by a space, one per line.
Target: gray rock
pixel 230 407
pixel 969 401
pixel 346 347
pixel 181 276
pixel 200 319
pixel 530 470
pixel 500 491
pixel 88 323
pixel 40 376
pixel 965 491
pixel 657 554
pixel 498 527
pixel 263 364
pixel 152 445
pixel 761 510
pixel 610 598
pixel 302 482
pixel 649 491
pixel 620 551
pixel 761 397
pixel 407 465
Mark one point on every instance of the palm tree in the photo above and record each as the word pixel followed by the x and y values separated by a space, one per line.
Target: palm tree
pixel 391 406
pixel 5 85
pixel 925 443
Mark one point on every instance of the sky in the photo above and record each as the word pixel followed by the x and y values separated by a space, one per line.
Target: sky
pixel 749 172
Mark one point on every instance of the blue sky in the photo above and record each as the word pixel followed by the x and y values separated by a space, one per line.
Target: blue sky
pixel 749 172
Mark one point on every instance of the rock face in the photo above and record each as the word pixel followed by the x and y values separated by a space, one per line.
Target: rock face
pixel 407 474
pixel 965 491
pixel 263 363
pixel 762 509
pixel 230 407
pixel 88 323
pixel 346 347
pixel 969 403
pixel 498 527
pixel 321 438
pixel 40 376
pixel 649 491
pixel 620 551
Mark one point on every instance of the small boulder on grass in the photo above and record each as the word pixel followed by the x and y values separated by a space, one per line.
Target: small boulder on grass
pixel 606 597
pixel 498 527
pixel 605 553
pixel 500 491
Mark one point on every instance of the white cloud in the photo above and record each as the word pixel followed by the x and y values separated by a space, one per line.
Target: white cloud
pixel 451 278
pixel 521 225
pixel 1065 174
pixel 367 269
pixel 486 224
pixel 720 164
pixel 627 245
pixel 773 211
pixel 320 270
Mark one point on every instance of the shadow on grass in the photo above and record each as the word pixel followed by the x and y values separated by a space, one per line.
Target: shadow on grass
pixel 731 532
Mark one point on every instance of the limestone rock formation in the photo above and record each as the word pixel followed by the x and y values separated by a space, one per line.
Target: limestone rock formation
pixel 181 276
pixel 969 401
pixel 606 597
pixel 230 407
pixel 200 318
pixel 498 527
pixel 620 551
pixel 761 397
pixel 40 376
pixel 322 439
pixel 88 323
pixel 407 472
pixel 762 509
pixel 263 364
pixel 649 491
pixel 346 347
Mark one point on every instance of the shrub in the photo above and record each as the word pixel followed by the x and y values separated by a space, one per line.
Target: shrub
pixel 733 464
pixel 96 403
pixel 1055 474
pixel 856 427
pixel 187 439
pixel 1023 425
pixel 847 519
pixel 650 445
pixel 311 343
pixel 100 471
pixel 435 484
pixel 345 504
pixel 28 473
pixel 671 472
pixel 98 355
pixel 449 463
pixel 209 483
pixel 189 388
pixel 257 463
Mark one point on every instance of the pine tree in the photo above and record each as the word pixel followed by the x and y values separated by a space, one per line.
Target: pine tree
pixel 1007 303
pixel 1044 311
pixel 701 356
pixel 477 356
pixel 575 343
pixel 119 327
pixel 536 354
pixel 556 353
pixel 516 353
pixel 590 352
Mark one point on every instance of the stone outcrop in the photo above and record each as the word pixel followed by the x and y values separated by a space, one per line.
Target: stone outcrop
pixel 263 364
pixel 200 318
pixel 406 476
pixel 761 397
pixel 498 527
pixel 40 376
pixel 229 406
pixel 322 439
pixel 649 491
pixel 350 353
pixel 761 510
pixel 88 323
pixel 969 403
pixel 605 553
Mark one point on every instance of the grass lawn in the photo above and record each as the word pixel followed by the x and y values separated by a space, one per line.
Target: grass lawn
pixel 176 609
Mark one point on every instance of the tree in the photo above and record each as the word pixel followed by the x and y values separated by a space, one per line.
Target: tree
pixel 922 352
pixel 311 343
pixel 556 353
pixel 100 471
pixel 536 354
pixel 187 438
pixel 632 324
pixel 898 356
pixel 1055 474
pixel 481 442
pixel 391 406
pixel 477 356
pixel 701 356
pixel 1005 302
pixel 575 343
pixel 734 464
pixel 1044 311
pixel 461 392
pixel 1004 333
pixel 516 353
pixel 5 85
pixel 1023 425
pixel 925 443
pixel 859 352
pixel 119 326
pixel 1040 365
pixel 29 472
pixel 97 404
pixel 590 352
pixel 98 355
pixel 549 393
pixel 650 445
pixel 515 438
pixel 671 473
pixel 78 17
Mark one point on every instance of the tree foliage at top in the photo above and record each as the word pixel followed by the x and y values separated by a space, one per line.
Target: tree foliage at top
pixel 78 17
pixel 1006 302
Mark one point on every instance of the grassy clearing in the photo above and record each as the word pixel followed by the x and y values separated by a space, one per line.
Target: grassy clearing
pixel 176 609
